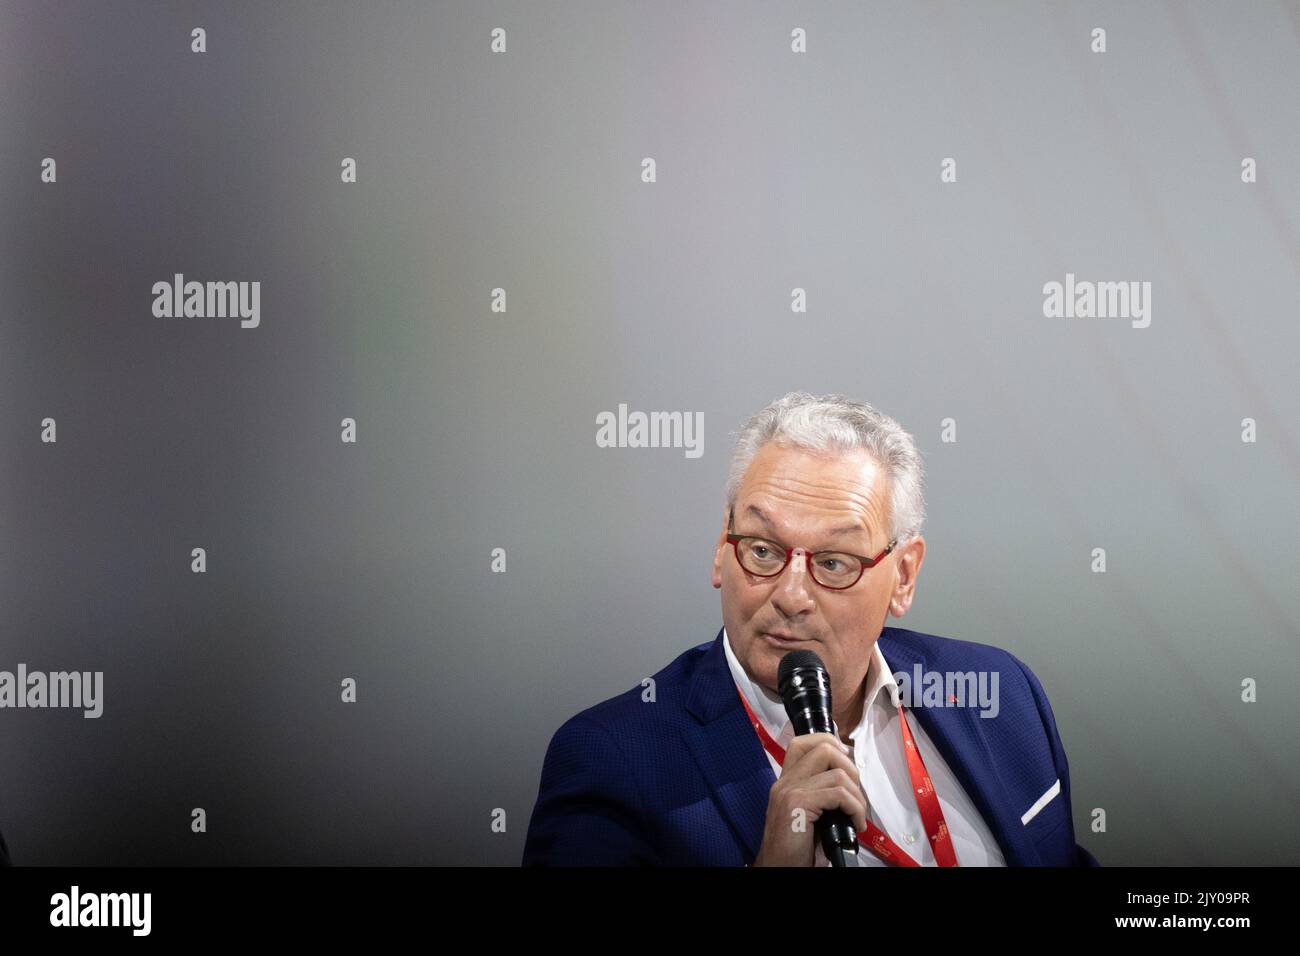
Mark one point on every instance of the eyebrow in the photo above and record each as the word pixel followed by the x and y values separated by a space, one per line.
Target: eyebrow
pixel 758 513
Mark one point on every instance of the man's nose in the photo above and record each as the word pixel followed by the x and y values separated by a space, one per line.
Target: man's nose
pixel 794 588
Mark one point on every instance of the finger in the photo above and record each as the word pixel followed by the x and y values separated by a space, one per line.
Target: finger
pixel 837 777
pixel 806 741
pixel 814 757
pixel 835 797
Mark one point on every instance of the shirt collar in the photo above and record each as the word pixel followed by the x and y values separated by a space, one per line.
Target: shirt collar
pixel 770 708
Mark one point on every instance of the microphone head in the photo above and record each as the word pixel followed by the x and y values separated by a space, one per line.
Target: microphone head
pixel 808 660
pixel 805 689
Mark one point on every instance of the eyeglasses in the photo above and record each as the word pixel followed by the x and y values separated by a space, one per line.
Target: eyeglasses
pixel 835 570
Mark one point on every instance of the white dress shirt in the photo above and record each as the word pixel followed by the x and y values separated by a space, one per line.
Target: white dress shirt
pixel 882 767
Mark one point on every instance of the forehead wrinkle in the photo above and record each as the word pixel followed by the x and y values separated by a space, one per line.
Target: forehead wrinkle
pixel 763 517
pixel 833 490
pixel 869 502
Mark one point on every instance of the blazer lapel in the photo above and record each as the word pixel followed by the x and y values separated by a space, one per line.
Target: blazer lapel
pixel 727 750
pixel 958 734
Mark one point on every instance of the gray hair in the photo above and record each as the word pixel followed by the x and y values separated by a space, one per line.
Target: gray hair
pixel 825 423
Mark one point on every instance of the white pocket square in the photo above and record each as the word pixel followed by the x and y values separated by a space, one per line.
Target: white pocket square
pixel 1042 801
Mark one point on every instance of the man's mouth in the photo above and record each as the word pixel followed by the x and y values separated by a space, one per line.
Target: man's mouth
pixel 780 639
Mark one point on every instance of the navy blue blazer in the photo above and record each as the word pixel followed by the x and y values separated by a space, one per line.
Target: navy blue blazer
pixel 684 781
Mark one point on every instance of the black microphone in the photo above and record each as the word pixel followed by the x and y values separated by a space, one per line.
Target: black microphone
pixel 805 688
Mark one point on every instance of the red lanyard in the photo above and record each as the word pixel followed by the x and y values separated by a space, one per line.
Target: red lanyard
pixel 873 838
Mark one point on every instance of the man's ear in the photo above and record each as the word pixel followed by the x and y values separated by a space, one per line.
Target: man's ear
pixel 721 549
pixel 909 559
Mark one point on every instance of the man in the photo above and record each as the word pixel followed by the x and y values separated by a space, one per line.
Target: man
pixel 820 542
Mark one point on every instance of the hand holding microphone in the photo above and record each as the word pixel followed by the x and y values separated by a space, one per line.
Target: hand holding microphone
pixel 818 775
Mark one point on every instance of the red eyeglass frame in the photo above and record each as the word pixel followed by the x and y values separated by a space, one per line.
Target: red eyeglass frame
pixel 867 563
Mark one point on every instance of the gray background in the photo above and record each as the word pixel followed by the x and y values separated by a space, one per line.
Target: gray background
pixel 477 429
